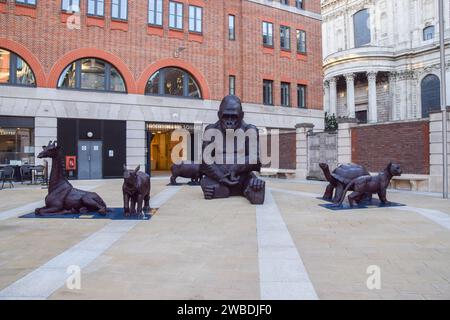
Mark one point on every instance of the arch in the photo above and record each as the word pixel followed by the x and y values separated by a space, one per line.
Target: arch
pixel 77 54
pixel 28 57
pixel 430 92
pixel 171 62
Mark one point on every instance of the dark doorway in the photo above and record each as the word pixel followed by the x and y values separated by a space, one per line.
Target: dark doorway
pixel 431 95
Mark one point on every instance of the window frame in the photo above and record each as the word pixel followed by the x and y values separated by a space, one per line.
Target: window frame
pixel 177 4
pixel 267 23
pixel 288 91
pixel 300 4
pixel 282 36
pixel 268 84
pixel 70 5
pixel 304 87
pixel 232 80
pixel 232 36
pixel 13 71
pixel 195 18
pixel 95 9
pixel 360 45
pixel 298 39
pixel 432 27
pixel 119 7
pixel 26 3
pixel 155 13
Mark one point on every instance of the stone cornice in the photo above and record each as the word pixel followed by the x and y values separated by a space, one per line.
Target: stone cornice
pixel 278 5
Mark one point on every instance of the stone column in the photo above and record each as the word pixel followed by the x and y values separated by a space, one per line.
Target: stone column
pixel 372 81
pixel 326 99
pixel 395 111
pixel 436 161
pixel 350 78
pixel 344 140
pixel 45 129
pixel 302 130
pixel 333 96
pixel 136 144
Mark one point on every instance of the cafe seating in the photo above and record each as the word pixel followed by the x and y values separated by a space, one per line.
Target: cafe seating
pixel 8 176
pixel 25 173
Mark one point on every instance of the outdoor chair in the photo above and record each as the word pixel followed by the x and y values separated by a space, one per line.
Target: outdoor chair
pixel 39 174
pixel 25 173
pixel 8 176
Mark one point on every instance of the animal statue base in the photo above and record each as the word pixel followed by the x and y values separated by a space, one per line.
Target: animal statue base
pixel 62 197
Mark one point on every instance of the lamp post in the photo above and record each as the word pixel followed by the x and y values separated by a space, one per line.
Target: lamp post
pixel 443 99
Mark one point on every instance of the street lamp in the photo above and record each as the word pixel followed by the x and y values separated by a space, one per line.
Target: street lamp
pixel 443 99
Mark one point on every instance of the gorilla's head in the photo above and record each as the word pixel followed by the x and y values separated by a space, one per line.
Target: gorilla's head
pixel 230 113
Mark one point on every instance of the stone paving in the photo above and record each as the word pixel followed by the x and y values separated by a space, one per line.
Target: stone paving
pixel 227 249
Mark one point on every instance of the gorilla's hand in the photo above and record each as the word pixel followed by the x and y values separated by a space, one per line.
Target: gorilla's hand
pixel 257 184
pixel 229 182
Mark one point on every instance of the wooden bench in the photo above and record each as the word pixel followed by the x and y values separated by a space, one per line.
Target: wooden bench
pixel 413 179
pixel 278 173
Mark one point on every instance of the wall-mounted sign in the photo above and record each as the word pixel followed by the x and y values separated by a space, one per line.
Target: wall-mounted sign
pixel 71 163
pixel 111 153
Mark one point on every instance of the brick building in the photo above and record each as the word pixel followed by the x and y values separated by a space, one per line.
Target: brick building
pixel 111 78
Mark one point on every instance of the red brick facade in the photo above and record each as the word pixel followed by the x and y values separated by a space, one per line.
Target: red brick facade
pixel 135 48
pixel 404 143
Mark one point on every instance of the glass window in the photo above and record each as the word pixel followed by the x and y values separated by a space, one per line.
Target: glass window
pixel 14 70
pixel 175 15
pixel 301 41
pixel 30 2
pixel 361 28
pixel 286 2
pixel 301 96
pixel 155 12
pixel 268 92
pixel 285 94
pixel 195 19
pixel 267 34
pixel 231 27
pixel 16 145
pixel 232 85
pixel 70 5
pixel 96 7
pixel 285 37
pixel 173 82
pixel 428 33
pixel 119 9
pixel 92 74
pixel 299 4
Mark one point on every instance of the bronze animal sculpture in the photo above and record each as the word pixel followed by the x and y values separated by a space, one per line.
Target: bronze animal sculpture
pixel 62 197
pixel 185 170
pixel 371 184
pixel 340 178
pixel 232 178
pixel 136 192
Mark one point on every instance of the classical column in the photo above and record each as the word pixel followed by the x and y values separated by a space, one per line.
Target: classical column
pixel 395 111
pixel 350 78
pixel 326 98
pixel 333 96
pixel 372 80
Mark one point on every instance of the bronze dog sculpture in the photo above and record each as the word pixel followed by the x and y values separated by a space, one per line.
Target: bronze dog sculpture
pixel 136 192
pixel 340 178
pixel 185 170
pixel 224 178
pixel 62 197
pixel 371 184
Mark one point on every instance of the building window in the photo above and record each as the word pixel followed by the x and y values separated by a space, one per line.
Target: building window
pixel 96 8
pixel 155 12
pixel 92 74
pixel 430 88
pixel 28 2
pixel 232 84
pixel 70 5
pixel 301 96
pixel 119 9
pixel 286 2
pixel 299 4
pixel 267 34
pixel 268 92
pixel 361 116
pixel 195 19
pixel 301 41
pixel 175 15
pixel 173 82
pixel 285 38
pixel 361 27
pixel 285 94
pixel 14 70
pixel 231 27
pixel 16 141
pixel 428 33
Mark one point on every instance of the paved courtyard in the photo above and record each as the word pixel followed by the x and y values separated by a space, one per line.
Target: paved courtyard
pixel 289 248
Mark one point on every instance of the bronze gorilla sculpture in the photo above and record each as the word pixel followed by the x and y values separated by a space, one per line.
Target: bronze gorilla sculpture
pixel 225 177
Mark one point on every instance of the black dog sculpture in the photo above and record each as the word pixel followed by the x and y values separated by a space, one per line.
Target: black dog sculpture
pixel 371 184
pixel 185 170
pixel 62 197
pixel 136 191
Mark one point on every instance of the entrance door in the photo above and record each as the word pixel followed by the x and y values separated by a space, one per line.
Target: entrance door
pixel 90 160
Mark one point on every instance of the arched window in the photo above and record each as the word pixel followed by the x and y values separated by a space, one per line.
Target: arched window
pixel 361 27
pixel 428 33
pixel 92 74
pixel 173 82
pixel 14 70
pixel 431 94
